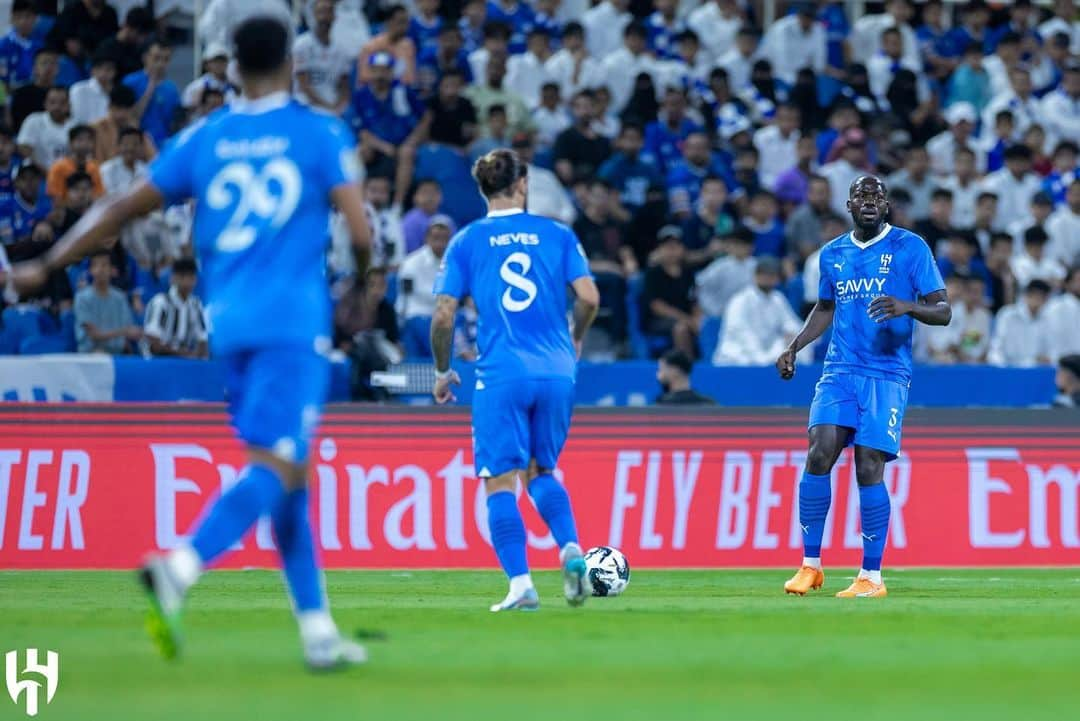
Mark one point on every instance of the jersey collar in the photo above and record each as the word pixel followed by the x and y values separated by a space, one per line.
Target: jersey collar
pixel 265 104
pixel 863 245
pixel 504 213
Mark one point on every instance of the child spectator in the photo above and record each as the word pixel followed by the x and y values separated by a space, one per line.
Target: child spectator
pixel 81 139
pixel 175 323
pixel 19 46
pixel 103 319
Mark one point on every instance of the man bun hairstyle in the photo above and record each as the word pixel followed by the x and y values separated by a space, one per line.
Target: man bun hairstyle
pixel 261 45
pixel 497 171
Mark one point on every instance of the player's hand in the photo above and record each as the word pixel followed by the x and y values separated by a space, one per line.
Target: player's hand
pixel 885 307
pixel 442 392
pixel 577 347
pixel 29 276
pixel 785 364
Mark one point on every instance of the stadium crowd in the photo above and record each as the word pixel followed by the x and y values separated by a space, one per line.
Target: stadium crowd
pixel 702 160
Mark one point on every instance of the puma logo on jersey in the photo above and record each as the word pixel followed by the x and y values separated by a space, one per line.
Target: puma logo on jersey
pixel 838 266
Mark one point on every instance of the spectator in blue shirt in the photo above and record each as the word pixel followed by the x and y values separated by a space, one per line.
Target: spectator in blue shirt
pixel 664 137
pixel 628 172
pixel 545 19
pixel 685 177
pixel 517 16
pixel 425 25
pixel 18 47
pixel 386 116
pixel 763 220
pixel 471 24
pixel 159 98
pixel 9 163
pixel 663 25
pixel 1064 171
pixel 973 29
pixel 22 211
pixel 970 83
pixel 1019 22
pixel 447 55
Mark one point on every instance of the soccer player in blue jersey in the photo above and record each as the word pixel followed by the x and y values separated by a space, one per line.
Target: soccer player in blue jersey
pixel 264 174
pixel 876 281
pixel 517 267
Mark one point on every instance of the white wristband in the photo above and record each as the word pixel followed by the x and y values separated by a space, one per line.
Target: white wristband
pixel 442 375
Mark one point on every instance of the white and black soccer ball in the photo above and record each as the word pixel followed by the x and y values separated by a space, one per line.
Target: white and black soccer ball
pixel 608 571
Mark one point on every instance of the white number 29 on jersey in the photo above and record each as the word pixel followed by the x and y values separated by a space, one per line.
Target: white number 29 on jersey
pixel 513 271
pixel 268 196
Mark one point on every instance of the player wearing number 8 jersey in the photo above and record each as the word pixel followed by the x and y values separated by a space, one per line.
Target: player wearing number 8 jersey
pixel 263 174
pixel 517 267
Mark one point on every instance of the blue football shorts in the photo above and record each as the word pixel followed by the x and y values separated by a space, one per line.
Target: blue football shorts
pixel 275 397
pixel 515 422
pixel 872 407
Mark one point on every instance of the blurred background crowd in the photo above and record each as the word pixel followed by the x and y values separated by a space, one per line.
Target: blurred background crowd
pixel 702 152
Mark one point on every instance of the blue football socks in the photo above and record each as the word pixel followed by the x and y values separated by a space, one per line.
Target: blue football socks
pixel 257 492
pixel 815 495
pixel 507 532
pixel 875 507
pixel 553 503
pixel 292 533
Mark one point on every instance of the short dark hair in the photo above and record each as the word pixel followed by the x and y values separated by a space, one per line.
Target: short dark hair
pixel 996 238
pixel 101 58
pixel 121 96
pixel 573 28
pixel 497 171
pixel 23 6
pixel 1066 146
pixel 139 18
pixel 678 359
pixel 210 92
pixel 185 265
pixel 890 31
pixel 984 195
pixel 1071 363
pixel 78 130
pixel 77 177
pixel 1038 286
pixel 636 28
pixel 261 45
pixel 128 131
pixel 496 108
pixel 496 29
pixel 6 131
pixel 1035 235
pixel 941 194
pixel 57 89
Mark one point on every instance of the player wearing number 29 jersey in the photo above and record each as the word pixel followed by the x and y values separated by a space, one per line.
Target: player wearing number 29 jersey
pixel 517 268
pixel 263 175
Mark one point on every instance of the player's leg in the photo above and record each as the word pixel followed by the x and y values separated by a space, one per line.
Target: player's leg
pixel 500 450
pixel 549 426
pixel 877 441
pixel 832 417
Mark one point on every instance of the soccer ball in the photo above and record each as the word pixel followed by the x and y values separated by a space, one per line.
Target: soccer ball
pixel 609 572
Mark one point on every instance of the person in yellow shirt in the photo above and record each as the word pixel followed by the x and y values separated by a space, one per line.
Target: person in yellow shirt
pixel 81 141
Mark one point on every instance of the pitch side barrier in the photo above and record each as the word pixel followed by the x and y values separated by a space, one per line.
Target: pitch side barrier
pixel 96 486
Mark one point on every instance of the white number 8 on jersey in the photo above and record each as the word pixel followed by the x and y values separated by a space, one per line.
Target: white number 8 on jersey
pixel 516 279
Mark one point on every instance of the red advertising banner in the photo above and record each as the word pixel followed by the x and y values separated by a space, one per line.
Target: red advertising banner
pixel 98 486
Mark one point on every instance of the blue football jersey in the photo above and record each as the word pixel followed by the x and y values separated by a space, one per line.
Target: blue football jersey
pixel 261 173
pixel 516 267
pixel 896 262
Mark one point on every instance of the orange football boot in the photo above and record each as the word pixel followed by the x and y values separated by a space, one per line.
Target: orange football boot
pixel 805 579
pixel 864 588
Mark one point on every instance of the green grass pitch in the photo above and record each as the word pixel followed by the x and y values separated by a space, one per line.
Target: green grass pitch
pixel 947 644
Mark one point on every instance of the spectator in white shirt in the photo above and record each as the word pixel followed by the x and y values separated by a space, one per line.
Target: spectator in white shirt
pixel 759 322
pixel 1014 185
pixel 1005 57
pixel 1021 338
pixel 726 276
pixel 964 187
pixel 117 174
pixel 622 67
pixel 865 38
pixel 214 77
pixel 175 323
pixel 90 97
pixel 322 68
pixel 795 42
pixel 1063 318
pixel 915 178
pixel 1063 227
pixel 1063 21
pixel 1019 100
pixel 1040 209
pixel 547 196
pixel 1061 108
pixel 716 22
pixel 417 273
pixel 739 61
pixel 44 135
pixel 777 144
pixel 350 31
pixel 843 171
pixel 942 147
pixel 883 66
pixel 525 73
pixel 1034 263
pixel 967 337
pixel 551 117
pixel 572 67
pixel 220 18
pixel 604 25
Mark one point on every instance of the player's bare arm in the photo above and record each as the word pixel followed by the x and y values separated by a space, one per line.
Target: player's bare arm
pixel 817 322
pixel 98 228
pixel 586 306
pixel 934 309
pixel 442 338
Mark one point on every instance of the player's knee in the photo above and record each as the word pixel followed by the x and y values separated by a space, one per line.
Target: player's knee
pixel 869 468
pixel 504 482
